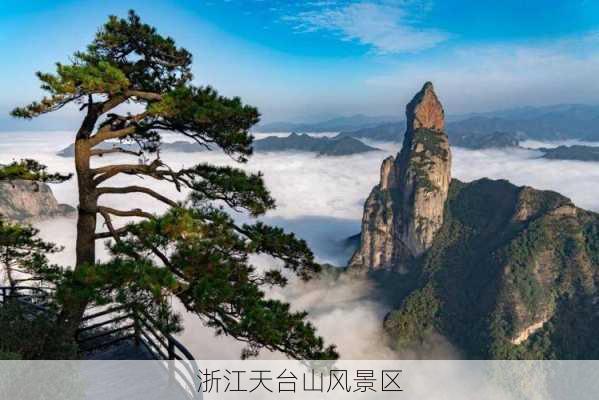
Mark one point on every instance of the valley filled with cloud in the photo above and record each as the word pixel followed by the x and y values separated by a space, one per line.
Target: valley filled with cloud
pixel 321 200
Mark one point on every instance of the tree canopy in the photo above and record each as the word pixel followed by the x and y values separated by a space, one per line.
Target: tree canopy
pixel 30 170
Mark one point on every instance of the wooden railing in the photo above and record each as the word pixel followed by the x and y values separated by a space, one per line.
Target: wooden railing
pixel 118 323
pixel 32 296
pixel 113 324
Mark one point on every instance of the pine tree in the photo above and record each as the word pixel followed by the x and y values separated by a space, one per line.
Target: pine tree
pixel 195 251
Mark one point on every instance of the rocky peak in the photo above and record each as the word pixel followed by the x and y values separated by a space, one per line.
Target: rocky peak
pixel 403 212
pixel 425 110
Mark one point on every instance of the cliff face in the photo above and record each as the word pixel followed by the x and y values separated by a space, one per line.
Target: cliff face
pixel 24 201
pixel 403 213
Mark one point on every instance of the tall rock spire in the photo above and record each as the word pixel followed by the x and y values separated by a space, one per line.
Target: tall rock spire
pixel 424 170
pixel 404 212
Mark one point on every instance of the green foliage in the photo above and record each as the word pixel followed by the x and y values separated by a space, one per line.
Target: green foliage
pixel 495 273
pixel 30 170
pixel 87 78
pixel 28 334
pixel 523 252
pixel 211 274
pixel 21 251
pixel 234 187
pixel 414 321
pixel 72 82
pixel 431 144
pixel 202 114
pixel 151 61
pixel 591 236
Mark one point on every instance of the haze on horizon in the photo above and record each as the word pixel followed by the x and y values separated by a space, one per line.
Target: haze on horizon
pixel 313 60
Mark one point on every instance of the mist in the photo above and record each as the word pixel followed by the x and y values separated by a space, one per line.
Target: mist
pixel 321 200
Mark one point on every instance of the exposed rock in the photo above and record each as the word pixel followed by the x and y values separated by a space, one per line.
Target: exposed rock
pixel 529 330
pixel 377 240
pixel 403 212
pixel 388 178
pixel 24 201
pixel 425 110
pixel 424 170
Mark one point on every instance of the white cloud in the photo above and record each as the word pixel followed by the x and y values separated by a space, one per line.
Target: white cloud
pixel 487 77
pixel 386 27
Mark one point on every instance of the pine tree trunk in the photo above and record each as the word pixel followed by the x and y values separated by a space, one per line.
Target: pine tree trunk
pixel 74 304
pixel 88 203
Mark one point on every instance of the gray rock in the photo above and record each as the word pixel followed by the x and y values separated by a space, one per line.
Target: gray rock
pixel 24 201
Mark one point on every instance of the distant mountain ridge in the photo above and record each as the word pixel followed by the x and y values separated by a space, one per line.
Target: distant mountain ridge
pixel 324 146
pixel 528 112
pixel 576 152
pixel 556 122
pixel 353 122
pixel 497 140
pixel 336 146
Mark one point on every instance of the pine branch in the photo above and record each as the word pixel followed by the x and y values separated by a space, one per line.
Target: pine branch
pixel 112 232
pixel 107 134
pixel 103 152
pixel 109 171
pixel 137 189
pixel 137 212
pixel 149 96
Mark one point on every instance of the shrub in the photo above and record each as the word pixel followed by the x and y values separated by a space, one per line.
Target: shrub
pixel 29 334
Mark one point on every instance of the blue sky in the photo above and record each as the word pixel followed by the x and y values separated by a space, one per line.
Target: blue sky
pixel 304 60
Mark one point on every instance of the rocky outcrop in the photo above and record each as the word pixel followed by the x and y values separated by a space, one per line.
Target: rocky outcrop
pixel 378 247
pixel 403 213
pixel 24 201
pixel 525 333
pixel 501 271
pixel 424 170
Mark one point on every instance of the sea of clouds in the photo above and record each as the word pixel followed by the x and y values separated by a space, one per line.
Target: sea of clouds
pixel 321 200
